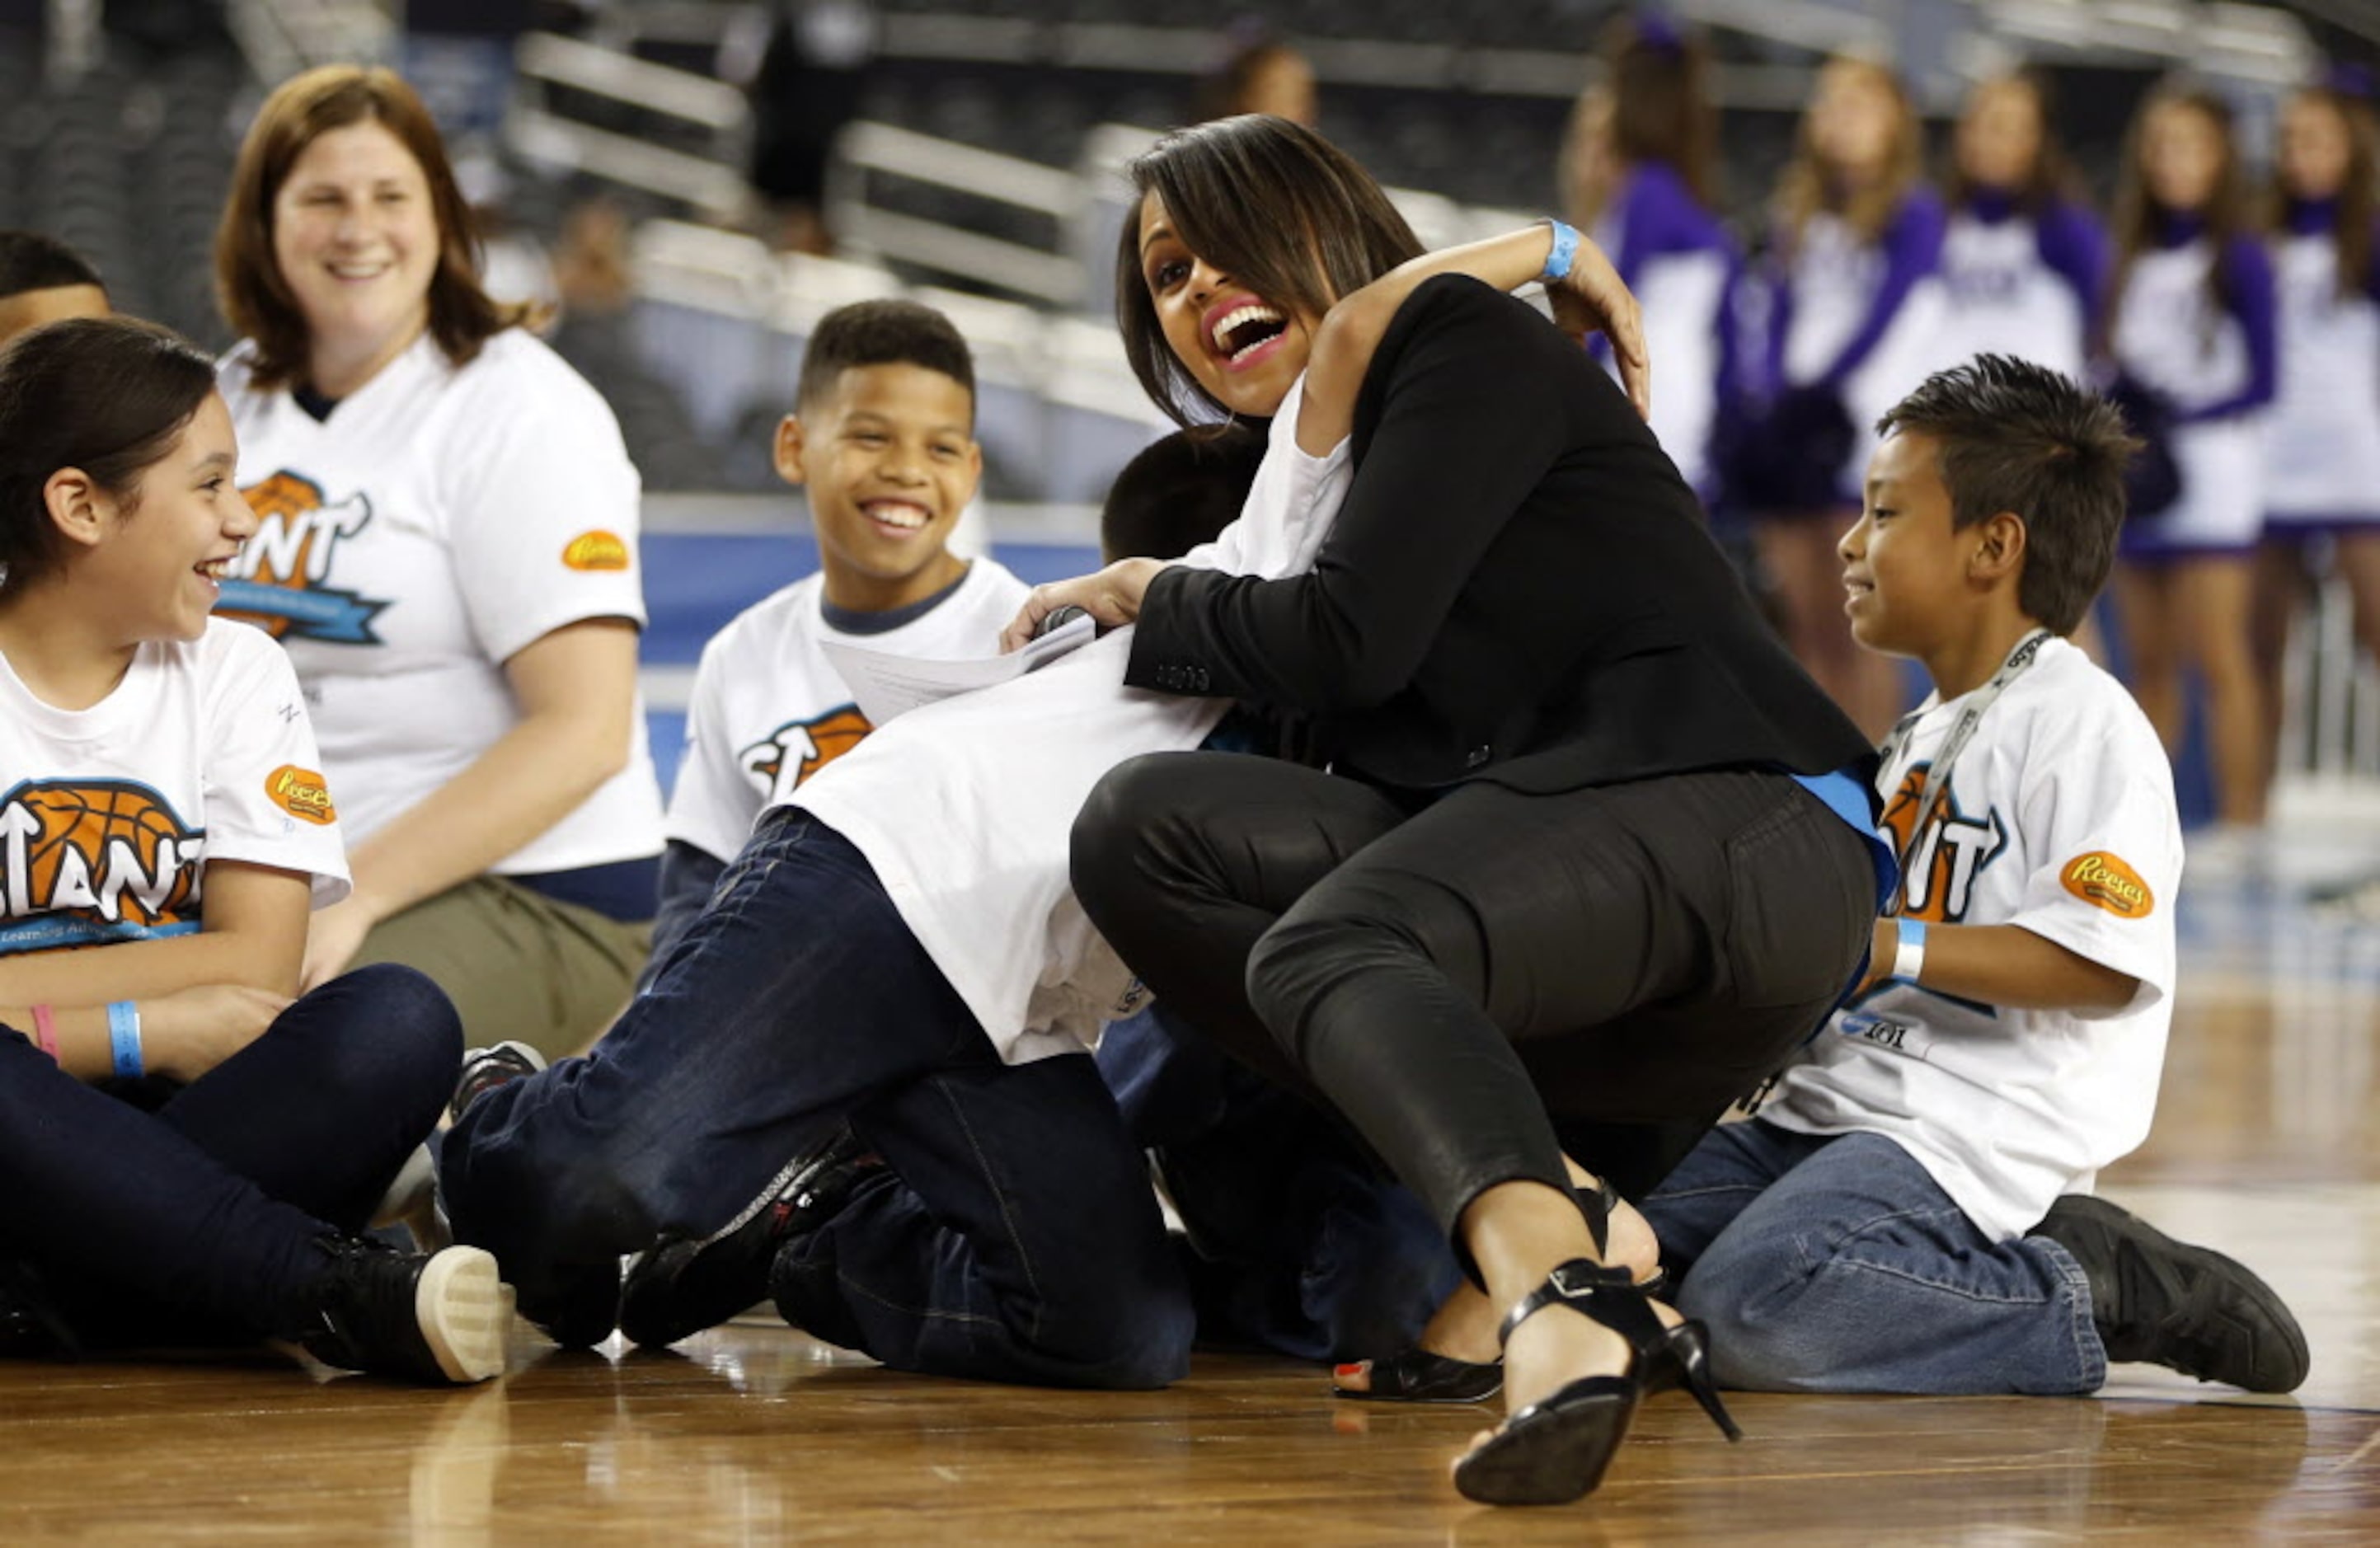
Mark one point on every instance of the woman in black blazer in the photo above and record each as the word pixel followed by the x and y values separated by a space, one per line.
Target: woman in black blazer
pixel 1575 849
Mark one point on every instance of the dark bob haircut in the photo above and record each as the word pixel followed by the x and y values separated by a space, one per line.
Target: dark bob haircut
pixel 1272 204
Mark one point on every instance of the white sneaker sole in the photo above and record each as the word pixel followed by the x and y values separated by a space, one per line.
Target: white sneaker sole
pixel 464 1309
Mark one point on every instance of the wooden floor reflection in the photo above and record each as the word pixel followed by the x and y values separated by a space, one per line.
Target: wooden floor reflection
pixel 2265 1146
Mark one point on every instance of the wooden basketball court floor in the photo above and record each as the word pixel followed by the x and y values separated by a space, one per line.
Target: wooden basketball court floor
pixel 2265 1146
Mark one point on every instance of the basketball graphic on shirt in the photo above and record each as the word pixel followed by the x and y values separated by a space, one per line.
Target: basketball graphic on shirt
pixel 796 751
pixel 280 581
pixel 88 861
pixel 1950 854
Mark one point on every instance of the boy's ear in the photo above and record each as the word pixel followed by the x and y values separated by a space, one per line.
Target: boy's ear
pixel 78 506
pixel 790 446
pixel 1999 548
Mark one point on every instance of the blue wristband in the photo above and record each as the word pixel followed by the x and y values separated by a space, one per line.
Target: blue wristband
pixel 1909 958
pixel 123 1037
pixel 1565 252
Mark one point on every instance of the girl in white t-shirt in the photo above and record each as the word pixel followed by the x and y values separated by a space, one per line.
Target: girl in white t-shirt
pixel 448 553
pixel 185 1154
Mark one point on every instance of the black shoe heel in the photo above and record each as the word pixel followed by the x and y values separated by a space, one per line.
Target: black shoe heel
pixel 1558 1450
pixel 1690 1355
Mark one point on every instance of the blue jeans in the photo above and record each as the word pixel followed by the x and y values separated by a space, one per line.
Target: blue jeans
pixel 1298 1242
pixel 1014 1237
pixel 162 1214
pixel 1838 1264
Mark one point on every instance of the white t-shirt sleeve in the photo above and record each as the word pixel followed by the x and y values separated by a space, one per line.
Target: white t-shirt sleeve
pixel 714 804
pixel 544 502
pixel 267 803
pixel 2100 826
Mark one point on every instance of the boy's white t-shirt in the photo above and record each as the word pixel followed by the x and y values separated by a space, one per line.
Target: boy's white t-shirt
pixel 769 710
pixel 112 813
pixel 2060 818
pixel 963 807
pixel 441 519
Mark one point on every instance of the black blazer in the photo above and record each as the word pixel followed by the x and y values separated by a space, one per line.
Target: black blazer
pixel 1519 587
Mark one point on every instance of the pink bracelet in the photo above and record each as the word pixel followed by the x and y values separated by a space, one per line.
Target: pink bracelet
pixel 45 1032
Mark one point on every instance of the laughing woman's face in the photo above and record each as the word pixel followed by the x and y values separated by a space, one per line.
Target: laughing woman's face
pixel 1244 349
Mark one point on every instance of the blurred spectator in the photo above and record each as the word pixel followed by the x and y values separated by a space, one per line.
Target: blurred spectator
pixel 2024 262
pixel 1639 174
pixel 2321 458
pixel 803 65
pixel 459 56
pixel 1262 73
pixel 41 280
pixel 1856 244
pixel 2190 330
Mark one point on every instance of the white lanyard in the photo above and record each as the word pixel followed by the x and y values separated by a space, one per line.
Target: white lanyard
pixel 1937 776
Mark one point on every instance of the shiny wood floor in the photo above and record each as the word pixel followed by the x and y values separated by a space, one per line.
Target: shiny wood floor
pixel 2265 1146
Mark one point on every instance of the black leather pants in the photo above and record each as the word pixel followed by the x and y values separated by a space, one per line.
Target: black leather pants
pixel 1475 983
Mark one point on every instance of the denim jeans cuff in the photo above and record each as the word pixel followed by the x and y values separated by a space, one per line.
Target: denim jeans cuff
pixel 2090 1353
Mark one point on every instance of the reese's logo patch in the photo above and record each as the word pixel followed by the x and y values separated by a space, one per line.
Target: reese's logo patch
pixel 2104 881
pixel 598 549
pixel 302 794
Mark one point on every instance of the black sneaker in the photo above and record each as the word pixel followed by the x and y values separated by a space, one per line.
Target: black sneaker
pixel 580 1313
pixel 426 1317
pixel 486 1069
pixel 2168 1303
pixel 681 1287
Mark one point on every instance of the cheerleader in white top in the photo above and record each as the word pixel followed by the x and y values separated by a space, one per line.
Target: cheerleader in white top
pixel 449 555
pixel 2191 334
pixel 1639 174
pixel 2321 437
pixel 2024 262
pixel 1855 300
pixel 186 1156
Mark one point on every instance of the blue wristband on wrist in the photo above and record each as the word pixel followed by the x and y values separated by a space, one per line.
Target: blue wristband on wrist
pixel 1564 253
pixel 123 1037
pixel 1909 958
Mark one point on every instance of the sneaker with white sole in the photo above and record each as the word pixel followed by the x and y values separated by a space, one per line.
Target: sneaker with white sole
pixel 427 1318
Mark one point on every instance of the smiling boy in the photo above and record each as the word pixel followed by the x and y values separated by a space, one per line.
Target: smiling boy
pixel 1880 1226
pixel 881 438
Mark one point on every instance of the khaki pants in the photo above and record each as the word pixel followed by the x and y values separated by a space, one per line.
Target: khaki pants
pixel 517 963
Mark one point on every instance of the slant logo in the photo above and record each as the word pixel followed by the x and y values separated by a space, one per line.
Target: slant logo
pixel 2103 881
pixel 279 580
pixel 86 861
pixel 782 760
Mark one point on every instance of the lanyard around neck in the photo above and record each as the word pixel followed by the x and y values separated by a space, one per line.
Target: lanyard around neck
pixel 1938 775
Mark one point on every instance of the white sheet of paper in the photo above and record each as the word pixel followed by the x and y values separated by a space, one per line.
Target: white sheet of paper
pixel 885 685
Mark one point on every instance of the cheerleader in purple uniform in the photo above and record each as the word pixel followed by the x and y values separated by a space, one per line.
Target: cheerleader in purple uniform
pixel 1639 173
pixel 2322 460
pixel 2190 330
pixel 2024 262
pixel 1856 299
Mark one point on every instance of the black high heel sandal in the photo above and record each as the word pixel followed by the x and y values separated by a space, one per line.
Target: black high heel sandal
pixel 1415 1375
pixel 1557 1450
